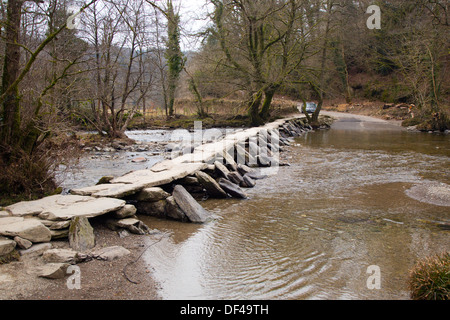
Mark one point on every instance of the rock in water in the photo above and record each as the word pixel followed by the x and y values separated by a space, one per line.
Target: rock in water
pixel 232 189
pixel 235 177
pixel 173 211
pixel 81 234
pixel 211 186
pixel 222 169
pixel 248 182
pixel 193 210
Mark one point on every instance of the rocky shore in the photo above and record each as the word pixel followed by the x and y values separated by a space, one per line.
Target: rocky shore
pixel 98 229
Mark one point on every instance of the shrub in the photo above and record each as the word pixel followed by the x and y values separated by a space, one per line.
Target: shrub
pixel 430 278
pixel 28 176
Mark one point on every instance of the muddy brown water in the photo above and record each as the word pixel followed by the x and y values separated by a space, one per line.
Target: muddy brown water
pixel 312 230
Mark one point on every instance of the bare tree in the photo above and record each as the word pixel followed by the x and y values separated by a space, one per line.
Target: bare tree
pixel 261 45
pixel 117 32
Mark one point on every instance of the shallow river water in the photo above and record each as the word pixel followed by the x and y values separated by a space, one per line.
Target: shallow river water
pixel 312 230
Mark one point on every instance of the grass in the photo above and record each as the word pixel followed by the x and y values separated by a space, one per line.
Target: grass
pixel 430 278
pixel 222 113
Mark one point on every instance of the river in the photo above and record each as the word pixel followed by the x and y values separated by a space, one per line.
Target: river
pixel 313 230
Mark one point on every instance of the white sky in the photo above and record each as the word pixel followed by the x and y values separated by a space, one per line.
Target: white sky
pixel 193 18
pixel 193 15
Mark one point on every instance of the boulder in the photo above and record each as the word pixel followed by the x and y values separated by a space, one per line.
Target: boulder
pixel 133 225
pixel 22 243
pixel 173 211
pixel 153 209
pixel 36 249
pixel 193 210
pixel 211 186
pixel 52 270
pixel 229 161
pixel 110 253
pixel 125 212
pixel 221 169
pixel 235 177
pixel 60 225
pixel 30 229
pixel 255 175
pixel 6 246
pixel 81 234
pixel 60 234
pixel 63 256
pixel 152 194
pixel 232 189
pixel 248 182
pixel 189 181
pixel 243 169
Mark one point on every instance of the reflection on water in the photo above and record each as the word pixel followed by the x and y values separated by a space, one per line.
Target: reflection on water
pixel 311 231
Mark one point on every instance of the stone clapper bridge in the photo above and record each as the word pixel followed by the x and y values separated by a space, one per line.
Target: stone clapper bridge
pixel 220 169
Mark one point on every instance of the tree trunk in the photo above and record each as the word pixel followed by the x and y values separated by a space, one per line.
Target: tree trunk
pixel 320 89
pixel 269 93
pixel 174 55
pixel 253 109
pixel 10 130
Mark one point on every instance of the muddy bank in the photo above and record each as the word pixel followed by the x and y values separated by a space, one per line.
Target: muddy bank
pixel 100 280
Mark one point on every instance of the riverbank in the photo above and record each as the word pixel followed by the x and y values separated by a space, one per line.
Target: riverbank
pixel 100 280
pixel 407 115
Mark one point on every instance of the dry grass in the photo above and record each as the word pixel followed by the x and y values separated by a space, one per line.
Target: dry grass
pixel 430 278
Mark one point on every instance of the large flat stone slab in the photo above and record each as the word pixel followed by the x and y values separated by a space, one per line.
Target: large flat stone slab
pixel 64 207
pixel 134 182
pixel 150 178
pixel 89 191
pixel 29 229
pixel 33 208
pixel 117 190
pixel 93 207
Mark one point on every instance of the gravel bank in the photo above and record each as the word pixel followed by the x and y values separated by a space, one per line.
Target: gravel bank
pixel 100 280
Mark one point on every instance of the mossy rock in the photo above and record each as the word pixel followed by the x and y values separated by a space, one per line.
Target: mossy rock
pixel 81 234
pixel 10 257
